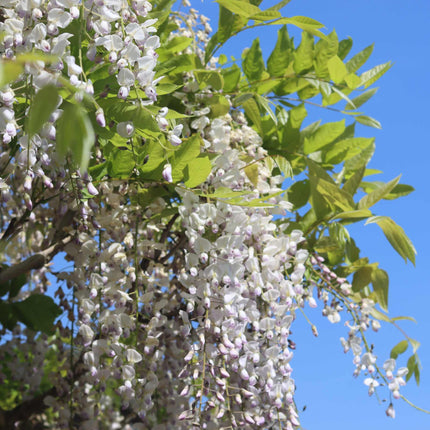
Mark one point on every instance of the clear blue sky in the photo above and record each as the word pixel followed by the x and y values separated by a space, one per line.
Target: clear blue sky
pixel 400 30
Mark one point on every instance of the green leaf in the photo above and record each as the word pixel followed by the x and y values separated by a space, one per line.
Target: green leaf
pixel 380 287
pixel 187 152
pixel 225 193
pixel 253 63
pixel 251 171
pixel 16 284
pixel 281 55
pixel 141 116
pixel 324 135
pixel 413 366
pixel 41 108
pixel 228 24
pixel 8 317
pixel 325 49
pixel 176 44
pixel 334 196
pixel 307 24
pixel 222 59
pixel 266 15
pixel 9 72
pixel 253 113
pixel 367 120
pixel 396 236
pixel 280 5
pixel 38 312
pixel 352 184
pixel 231 78
pixel 178 64
pixel 211 45
pixel 360 160
pixel 197 171
pixel 163 89
pixel 13 286
pixel 379 315
pixel 352 80
pixel 336 69
pixel 264 104
pixel 240 7
pixel 399 190
pixel 341 94
pixel 75 133
pixel 303 21
pixel 400 348
pixel 372 75
pixel 218 104
pixel 415 344
pixel 353 215
pixel 209 78
pixel 121 163
pixel 318 202
pixel 404 318
pixel 363 277
pixel 359 59
pixel 370 199
pixel 304 54
pixel 345 46
pixel 155 159
pixel 346 149
pixel 283 165
pixel 298 194
pixel 361 99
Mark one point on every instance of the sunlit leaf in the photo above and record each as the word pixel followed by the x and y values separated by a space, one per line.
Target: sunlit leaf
pixel 240 7
pixel 359 59
pixel 281 55
pixel 375 196
pixel 367 120
pixel 324 135
pixel 253 63
pixel 361 99
pixel 337 69
pixel 372 75
pixel 197 171
pixel 380 287
pixel 396 236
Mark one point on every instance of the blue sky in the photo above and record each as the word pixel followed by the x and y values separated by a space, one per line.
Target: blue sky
pixel 334 399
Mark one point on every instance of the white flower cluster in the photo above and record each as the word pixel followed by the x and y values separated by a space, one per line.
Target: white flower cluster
pixel 243 281
pixel 114 33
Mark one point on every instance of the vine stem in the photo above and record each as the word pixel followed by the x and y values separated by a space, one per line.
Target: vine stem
pixel 413 405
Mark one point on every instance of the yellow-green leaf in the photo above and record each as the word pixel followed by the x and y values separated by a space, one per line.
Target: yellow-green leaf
pixel 197 171
pixel 396 236
pixel 370 199
pixel 324 135
pixel 9 72
pixel 252 111
pixel 251 171
pixel 400 348
pixel 336 69
pixel 372 75
pixel 380 287
pixel 240 7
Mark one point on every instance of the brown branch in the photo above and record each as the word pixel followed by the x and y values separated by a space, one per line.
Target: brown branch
pixel 36 261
